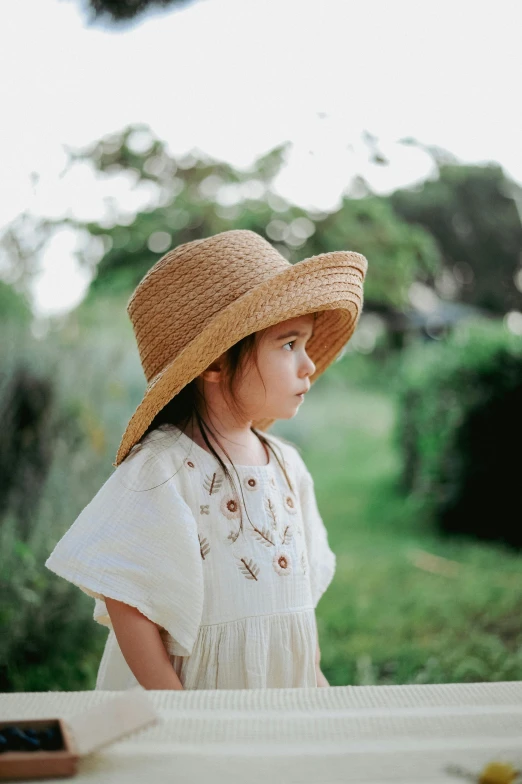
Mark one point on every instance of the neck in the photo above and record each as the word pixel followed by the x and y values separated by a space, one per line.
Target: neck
pixel 241 444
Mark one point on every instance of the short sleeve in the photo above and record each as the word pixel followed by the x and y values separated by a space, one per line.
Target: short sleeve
pixel 320 557
pixel 137 542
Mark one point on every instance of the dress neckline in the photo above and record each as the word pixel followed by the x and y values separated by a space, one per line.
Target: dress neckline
pixel 199 449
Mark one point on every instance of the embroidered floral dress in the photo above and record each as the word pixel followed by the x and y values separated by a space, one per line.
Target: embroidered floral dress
pixel 234 597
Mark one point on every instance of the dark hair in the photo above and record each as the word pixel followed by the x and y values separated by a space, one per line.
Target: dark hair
pixel 190 402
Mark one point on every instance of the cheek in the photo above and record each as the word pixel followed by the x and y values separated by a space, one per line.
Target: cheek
pixel 281 366
pixel 264 375
pixel 277 364
pixel 272 363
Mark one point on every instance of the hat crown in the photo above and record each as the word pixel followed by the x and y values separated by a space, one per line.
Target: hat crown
pixel 189 285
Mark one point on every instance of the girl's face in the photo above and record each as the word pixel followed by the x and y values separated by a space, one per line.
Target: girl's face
pixel 277 388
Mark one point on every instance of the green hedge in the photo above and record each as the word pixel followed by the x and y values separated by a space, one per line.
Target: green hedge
pixel 460 430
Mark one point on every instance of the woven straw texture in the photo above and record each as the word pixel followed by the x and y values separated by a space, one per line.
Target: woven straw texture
pixel 204 296
pixel 343 734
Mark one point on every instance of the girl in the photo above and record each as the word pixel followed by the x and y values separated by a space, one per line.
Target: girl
pixel 205 550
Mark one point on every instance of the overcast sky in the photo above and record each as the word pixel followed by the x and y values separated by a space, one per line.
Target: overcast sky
pixel 234 78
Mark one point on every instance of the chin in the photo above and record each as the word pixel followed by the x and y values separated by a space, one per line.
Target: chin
pixel 289 414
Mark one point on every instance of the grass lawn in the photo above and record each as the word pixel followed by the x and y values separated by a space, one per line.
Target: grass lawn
pixel 406 605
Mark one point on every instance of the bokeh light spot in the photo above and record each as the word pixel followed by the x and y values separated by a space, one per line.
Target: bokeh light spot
pixel 159 242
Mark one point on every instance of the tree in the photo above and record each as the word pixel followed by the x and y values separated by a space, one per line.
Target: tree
pixel 198 197
pixel 398 253
pixel 472 213
pixel 194 196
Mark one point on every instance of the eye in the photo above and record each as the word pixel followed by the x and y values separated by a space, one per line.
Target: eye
pixel 290 343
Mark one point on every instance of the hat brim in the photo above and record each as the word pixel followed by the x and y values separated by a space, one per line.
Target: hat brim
pixel 330 284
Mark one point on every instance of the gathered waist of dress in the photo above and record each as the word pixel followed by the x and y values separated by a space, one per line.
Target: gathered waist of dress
pixel 290 623
pixel 300 622
pixel 261 616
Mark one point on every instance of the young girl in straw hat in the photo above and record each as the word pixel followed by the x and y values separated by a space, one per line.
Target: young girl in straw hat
pixel 205 550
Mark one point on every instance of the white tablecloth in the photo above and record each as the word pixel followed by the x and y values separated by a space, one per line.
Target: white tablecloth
pixel 342 734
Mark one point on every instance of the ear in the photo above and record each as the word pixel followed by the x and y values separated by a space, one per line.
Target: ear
pixel 214 371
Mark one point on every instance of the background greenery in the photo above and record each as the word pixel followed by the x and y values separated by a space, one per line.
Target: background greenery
pixel 413 600
pixel 406 605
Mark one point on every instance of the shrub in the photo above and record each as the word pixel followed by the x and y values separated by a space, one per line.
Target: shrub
pixel 460 430
pixel 63 412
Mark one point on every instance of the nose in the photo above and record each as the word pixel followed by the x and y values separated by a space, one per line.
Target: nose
pixel 308 367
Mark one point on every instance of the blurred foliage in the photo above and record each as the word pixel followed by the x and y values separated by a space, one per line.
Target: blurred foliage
pixel 460 430
pixel 182 208
pixel 399 254
pixel 62 412
pixel 26 403
pixel 406 605
pixel 14 307
pixel 195 196
pixel 51 642
pixel 474 214
pixel 442 234
pixel 433 627
pixel 118 11
pixel 388 437
pixel 21 242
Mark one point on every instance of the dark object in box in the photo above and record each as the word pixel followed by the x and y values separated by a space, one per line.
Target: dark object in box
pixel 25 764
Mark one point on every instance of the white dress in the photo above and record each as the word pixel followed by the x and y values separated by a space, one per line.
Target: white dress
pixel 235 597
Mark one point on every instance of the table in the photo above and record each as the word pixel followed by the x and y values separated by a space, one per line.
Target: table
pixel 369 734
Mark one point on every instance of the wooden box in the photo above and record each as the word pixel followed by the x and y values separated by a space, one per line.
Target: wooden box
pixel 39 764
pixel 80 735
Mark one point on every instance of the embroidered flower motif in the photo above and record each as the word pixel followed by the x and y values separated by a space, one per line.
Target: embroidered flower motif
pixel 270 506
pixel 204 509
pixel 233 535
pixel 249 568
pixel 272 481
pixel 287 535
pixel 250 483
pixel 282 563
pixel 212 483
pixel 204 547
pixel 230 507
pixel 290 504
pixel 264 536
pixel 189 463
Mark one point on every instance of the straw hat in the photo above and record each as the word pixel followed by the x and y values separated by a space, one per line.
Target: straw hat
pixel 205 295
